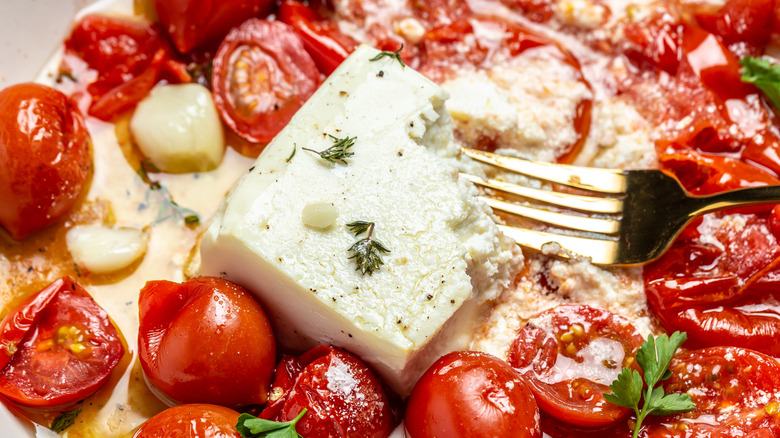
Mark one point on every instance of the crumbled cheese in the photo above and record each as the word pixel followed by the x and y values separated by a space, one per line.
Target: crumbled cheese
pixel 581 13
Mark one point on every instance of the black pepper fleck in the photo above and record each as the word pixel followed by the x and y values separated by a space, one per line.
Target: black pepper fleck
pixel 380 74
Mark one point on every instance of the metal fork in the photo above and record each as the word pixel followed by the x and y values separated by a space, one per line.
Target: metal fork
pixel 630 218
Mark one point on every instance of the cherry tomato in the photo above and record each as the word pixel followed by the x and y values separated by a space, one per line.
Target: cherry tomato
pixel 736 392
pixel 262 75
pixel 127 56
pixel 322 39
pixel 44 157
pixel 57 347
pixel 206 340
pixel 471 394
pixel 191 421
pixel 569 356
pixel 748 21
pixel 343 396
pixel 195 23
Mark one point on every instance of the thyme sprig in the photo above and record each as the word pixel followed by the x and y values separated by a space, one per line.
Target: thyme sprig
pixel 339 152
pixel 396 55
pixel 367 252
pixel 168 207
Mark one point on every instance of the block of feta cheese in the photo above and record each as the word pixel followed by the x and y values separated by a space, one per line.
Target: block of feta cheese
pixel 282 231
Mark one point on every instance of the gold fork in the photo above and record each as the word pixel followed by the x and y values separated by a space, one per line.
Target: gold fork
pixel 633 218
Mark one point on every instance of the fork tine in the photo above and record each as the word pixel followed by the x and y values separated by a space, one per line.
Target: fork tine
pixel 596 180
pixel 601 252
pixel 576 202
pixel 582 223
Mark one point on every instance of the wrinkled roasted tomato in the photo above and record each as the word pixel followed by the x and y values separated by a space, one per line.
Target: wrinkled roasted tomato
pixel 191 421
pixel 44 157
pixel 57 348
pixel 205 341
pixel 569 356
pixel 343 396
pixel 469 394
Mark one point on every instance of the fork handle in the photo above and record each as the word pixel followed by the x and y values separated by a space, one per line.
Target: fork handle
pixel 737 198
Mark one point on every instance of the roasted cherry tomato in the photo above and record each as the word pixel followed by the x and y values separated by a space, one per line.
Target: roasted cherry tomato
pixel 343 396
pixel 127 56
pixel 44 157
pixel 195 23
pixel 57 347
pixel 262 75
pixel 736 392
pixel 191 421
pixel 569 356
pixel 206 340
pixel 741 21
pixel 471 394
pixel 327 46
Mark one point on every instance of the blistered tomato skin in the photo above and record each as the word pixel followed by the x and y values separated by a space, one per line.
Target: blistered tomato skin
pixel 343 397
pixel 471 394
pixel 44 157
pixel 205 341
pixel 191 421
pixel 570 355
pixel 57 348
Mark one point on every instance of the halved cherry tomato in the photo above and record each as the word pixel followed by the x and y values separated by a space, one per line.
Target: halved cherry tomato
pixel 44 157
pixel 57 347
pixel 206 340
pixel 127 56
pixel 569 356
pixel 741 21
pixel 262 75
pixel 196 23
pixel 343 396
pixel 736 392
pixel 191 421
pixel 471 394
pixel 327 46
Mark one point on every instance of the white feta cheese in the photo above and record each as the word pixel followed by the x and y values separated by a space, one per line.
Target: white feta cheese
pixel 447 259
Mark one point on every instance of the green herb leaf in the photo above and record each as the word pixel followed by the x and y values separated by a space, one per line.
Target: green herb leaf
pixel 367 252
pixel 396 55
pixel 65 420
pixel 761 73
pixel 338 152
pixel 191 220
pixel 250 426
pixel 291 155
pixel 654 357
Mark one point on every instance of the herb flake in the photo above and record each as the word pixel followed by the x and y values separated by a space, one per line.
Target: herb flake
pixel 65 420
pixel 654 357
pixel 339 152
pixel 367 252
pixel 385 53
pixel 250 426
pixel 764 75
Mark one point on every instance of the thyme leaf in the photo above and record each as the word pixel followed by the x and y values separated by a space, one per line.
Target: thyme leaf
pixel 396 55
pixel 339 152
pixel 367 252
pixel 65 420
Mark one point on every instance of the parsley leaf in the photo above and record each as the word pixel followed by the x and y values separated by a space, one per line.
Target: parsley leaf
pixel 654 357
pixel 250 426
pixel 65 420
pixel 761 73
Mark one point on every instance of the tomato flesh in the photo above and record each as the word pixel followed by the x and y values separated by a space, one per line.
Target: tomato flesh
pixel 44 157
pixel 191 421
pixel 470 394
pixel 343 397
pixel 569 356
pixel 262 75
pixel 58 347
pixel 205 341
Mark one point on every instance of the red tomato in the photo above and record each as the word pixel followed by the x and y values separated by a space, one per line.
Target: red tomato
pixel 322 39
pixel 127 56
pixel 471 394
pixel 44 157
pixel 191 421
pixel 57 348
pixel 262 75
pixel 343 396
pixel 736 392
pixel 749 21
pixel 206 340
pixel 569 356
pixel 196 23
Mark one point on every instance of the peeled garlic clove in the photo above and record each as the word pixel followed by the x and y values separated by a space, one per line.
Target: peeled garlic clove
pixel 319 215
pixel 178 129
pixel 101 249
